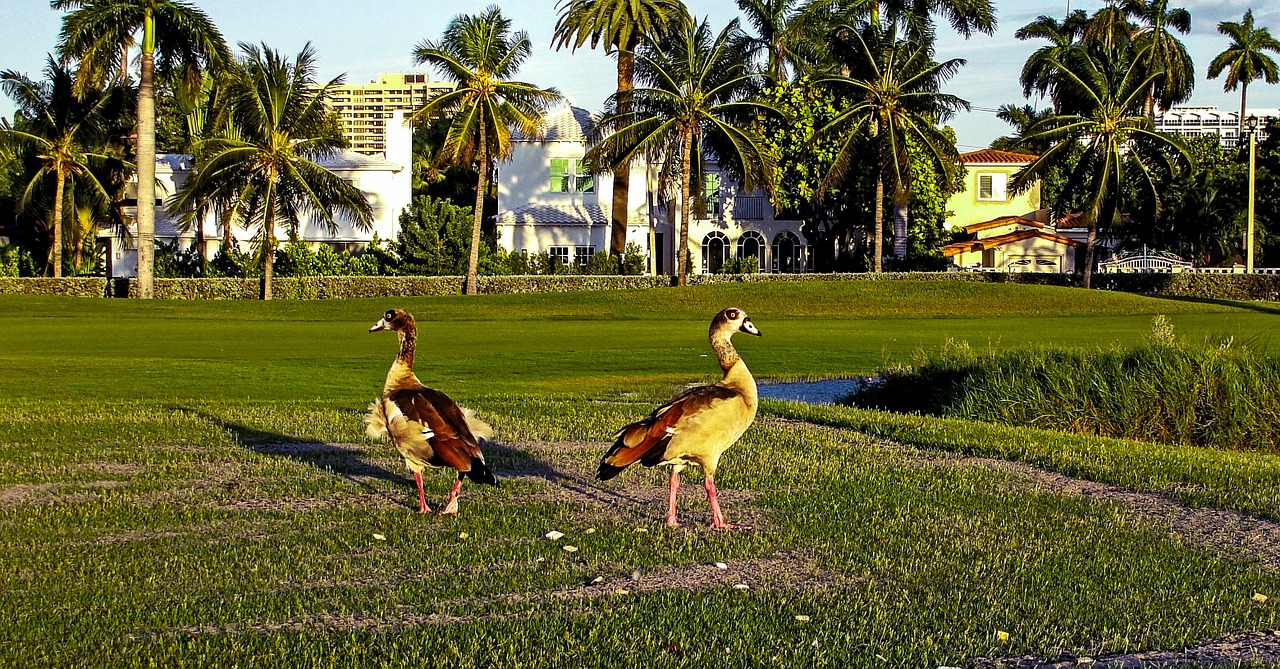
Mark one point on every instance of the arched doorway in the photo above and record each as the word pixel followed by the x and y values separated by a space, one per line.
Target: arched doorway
pixel 788 253
pixel 715 250
pixel 752 245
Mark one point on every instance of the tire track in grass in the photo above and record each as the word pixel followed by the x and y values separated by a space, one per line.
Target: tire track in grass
pixel 1253 649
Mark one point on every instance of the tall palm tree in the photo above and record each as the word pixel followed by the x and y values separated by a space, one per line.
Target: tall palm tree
pixel 1246 60
pixel 1063 36
pixel 1022 119
pixel 621 25
pixel 482 55
pixel 694 100
pixel 173 33
pixel 270 174
pixel 1107 89
pixel 780 35
pixel 1166 54
pixel 66 132
pixel 895 85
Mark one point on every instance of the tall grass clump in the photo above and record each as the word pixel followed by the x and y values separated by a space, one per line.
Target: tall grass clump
pixel 1164 390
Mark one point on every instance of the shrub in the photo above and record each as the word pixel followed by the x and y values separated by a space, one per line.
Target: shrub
pixel 16 262
pixel 1219 395
pixel 173 261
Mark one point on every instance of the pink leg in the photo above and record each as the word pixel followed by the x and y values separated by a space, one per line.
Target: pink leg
pixel 671 503
pixel 422 496
pixel 717 518
pixel 451 506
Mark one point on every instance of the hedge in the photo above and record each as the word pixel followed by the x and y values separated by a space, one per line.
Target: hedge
pixel 1200 286
pixel 75 286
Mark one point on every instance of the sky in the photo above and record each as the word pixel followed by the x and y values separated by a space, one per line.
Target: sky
pixel 363 38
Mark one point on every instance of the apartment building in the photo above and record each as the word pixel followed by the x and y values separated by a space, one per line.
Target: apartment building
pixel 365 108
pixel 1202 121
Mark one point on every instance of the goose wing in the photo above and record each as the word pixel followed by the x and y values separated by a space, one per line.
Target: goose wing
pixel 646 440
pixel 434 430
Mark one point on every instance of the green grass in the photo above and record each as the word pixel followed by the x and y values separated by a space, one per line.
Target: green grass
pixel 165 526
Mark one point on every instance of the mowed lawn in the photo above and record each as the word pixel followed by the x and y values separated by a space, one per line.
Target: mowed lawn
pixel 186 484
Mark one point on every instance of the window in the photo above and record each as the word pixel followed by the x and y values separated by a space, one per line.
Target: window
pixel 993 186
pixel 559 256
pixel 715 250
pixel 569 176
pixel 711 192
pixel 582 254
pixel 751 245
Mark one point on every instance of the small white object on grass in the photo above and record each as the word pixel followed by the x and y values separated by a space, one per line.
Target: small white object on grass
pixel 1260 598
pixel 720 565
pixel 802 619
pixel 589 530
pixel 571 549
pixel 540 559
pixel 463 535
pixel 597 580
pixel 742 586
pixel 554 535
pixel 380 537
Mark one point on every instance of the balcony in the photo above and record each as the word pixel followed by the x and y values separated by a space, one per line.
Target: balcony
pixel 749 208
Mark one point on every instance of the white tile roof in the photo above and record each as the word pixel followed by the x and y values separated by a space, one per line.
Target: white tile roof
pixel 566 124
pixel 561 214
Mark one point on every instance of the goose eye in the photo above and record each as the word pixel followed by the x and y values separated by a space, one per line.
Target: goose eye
pixel 733 314
pixel 390 315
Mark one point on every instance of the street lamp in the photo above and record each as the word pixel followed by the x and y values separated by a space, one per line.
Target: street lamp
pixel 1252 124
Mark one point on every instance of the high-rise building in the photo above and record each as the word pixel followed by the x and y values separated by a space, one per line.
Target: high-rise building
pixel 365 108
pixel 1201 121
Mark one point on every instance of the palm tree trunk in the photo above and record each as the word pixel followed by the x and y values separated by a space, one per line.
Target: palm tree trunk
pixel 1244 92
pixel 1091 241
pixel 473 260
pixel 901 212
pixel 877 251
pixel 146 154
pixel 268 249
pixel 55 245
pixel 686 199
pixel 620 214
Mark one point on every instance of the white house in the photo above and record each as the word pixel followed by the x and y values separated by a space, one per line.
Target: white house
pixel 548 203
pixel 386 181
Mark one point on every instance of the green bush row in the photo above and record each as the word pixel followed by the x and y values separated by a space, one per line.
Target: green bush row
pixel 76 286
pixel 1201 286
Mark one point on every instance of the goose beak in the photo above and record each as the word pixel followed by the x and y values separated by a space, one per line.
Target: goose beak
pixel 379 326
pixel 749 327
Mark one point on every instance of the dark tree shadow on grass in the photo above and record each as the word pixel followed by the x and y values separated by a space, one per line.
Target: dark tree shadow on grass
pixel 330 458
pixel 1260 307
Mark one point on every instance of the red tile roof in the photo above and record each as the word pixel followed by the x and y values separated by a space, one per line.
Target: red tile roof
pixel 994 156
pixel 1016 236
pixel 1001 222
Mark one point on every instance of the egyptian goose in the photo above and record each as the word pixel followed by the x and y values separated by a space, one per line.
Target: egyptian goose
pixel 696 426
pixel 427 427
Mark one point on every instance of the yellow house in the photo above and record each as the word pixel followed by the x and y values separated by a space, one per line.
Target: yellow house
pixel 986 195
pixel 1014 244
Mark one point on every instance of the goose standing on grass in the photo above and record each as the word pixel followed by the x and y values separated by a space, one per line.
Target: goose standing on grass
pixel 427 427
pixel 696 426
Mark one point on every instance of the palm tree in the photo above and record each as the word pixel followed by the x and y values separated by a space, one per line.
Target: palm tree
pixel 1246 60
pixel 895 87
pixel 621 25
pixel 781 34
pixel 1166 54
pixel 1022 119
pixel 173 33
pixel 694 100
pixel 1107 90
pixel 481 54
pixel 269 174
pixel 1063 37
pixel 66 133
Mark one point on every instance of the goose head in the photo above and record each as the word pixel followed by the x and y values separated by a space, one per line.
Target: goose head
pixel 397 320
pixel 732 320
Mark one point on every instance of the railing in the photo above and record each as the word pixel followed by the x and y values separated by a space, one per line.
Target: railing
pixel 749 208
pixel 1146 260
pixel 1238 269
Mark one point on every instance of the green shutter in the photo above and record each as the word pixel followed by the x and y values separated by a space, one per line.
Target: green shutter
pixel 559 175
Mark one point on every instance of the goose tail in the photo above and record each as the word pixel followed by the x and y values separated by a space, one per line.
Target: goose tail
pixel 479 429
pixel 375 422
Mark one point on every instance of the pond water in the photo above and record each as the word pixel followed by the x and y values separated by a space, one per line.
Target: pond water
pixel 822 391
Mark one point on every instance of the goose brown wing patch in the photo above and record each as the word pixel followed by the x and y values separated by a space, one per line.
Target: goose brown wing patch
pixel 645 441
pixel 447 446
